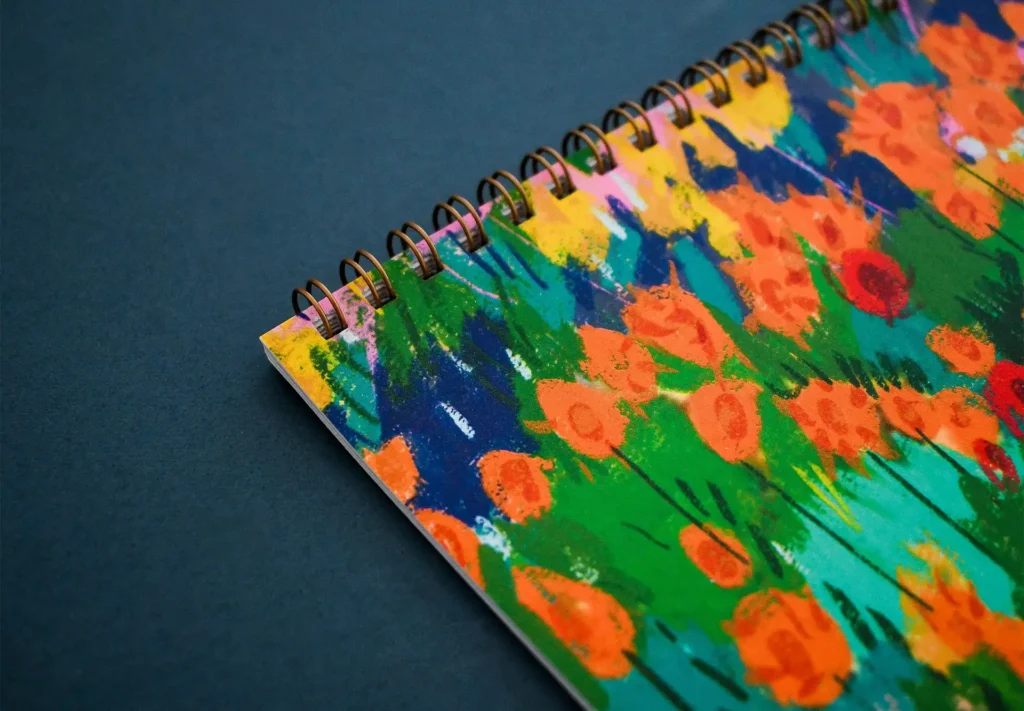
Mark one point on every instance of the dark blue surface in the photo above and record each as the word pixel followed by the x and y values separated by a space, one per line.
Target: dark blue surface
pixel 178 530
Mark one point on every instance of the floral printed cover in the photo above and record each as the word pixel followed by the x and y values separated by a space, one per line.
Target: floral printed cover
pixel 737 424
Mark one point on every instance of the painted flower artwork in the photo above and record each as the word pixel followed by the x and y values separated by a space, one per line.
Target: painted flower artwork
pixel 740 422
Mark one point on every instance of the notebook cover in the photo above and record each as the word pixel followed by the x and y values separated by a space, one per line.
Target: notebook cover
pixel 739 423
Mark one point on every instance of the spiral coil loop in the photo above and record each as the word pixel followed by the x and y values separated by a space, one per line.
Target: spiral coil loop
pixel 788 39
pixel 496 188
pixel 824 27
pixel 603 162
pixel 448 208
pixel 613 116
pixel 757 67
pixel 672 92
pixel 407 243
pixel 510 195
pixel 720 96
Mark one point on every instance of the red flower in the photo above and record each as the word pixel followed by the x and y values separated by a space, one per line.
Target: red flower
pixel 1005 392
pixel 965 419
pixel 994 461
pixel 830 223
pixel 874 283
pixel 455 537
pixel 516 483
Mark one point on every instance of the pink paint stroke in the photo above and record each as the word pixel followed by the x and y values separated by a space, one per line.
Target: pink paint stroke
pixel 909 17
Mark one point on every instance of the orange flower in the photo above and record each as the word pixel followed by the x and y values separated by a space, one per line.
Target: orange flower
pixel 910 412
pixel 967 350
pixel 964 53
pixel 622 363
pixel 394 466
pixel 839 418
pixel 586 418
pixel 589 621
pixel 516 483
pixel 965 417
pixel 958 625
pixel 898 124
pixel 725 415
pixel 984 112
pixel 1013 14
pixel 721 566
pixel 677 322
pixel 455 537
pixel 763 227
pixel 789 643
pixel 829 223
pixel 974 211
pixel 781 298
pixel 1011 177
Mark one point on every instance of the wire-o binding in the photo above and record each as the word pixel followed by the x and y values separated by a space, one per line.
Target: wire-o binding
pixel 509 196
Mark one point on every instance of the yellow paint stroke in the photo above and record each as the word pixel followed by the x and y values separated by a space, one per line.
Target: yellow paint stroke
pixel 679 206
pixel 566 228
pixel 833 499
pixel 292 343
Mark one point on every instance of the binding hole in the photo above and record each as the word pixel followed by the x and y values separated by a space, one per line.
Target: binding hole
pixel 452 214
pixel 757 67
pixel 563 184
pixel 611 121
pixel 377 301
pixel 603 162
pixel 408 243
pixel 708 69
pixel 786 36
pixel 887 5
pixel 671 91
pixel 317 284
pixel 324 329
pixel 857 9
pixel 822 21
pixel 496 188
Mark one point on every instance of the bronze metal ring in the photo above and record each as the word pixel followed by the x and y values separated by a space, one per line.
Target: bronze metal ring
pixel 317 284
pixel 648 100
pixel 603 162
pixel 296 293
pixel 644 139
pixel 859 13
pixel 536 158
pixel 408 243
pixel 756 66
pixel 821 20
pixel 450 213
pixel 360 253
pixel 708 69
pixel 793 52
pixel 496 188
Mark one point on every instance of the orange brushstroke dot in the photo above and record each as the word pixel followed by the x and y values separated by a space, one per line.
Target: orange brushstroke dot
pixel 725 415
pixel 587 419
pixel 587 620
pixel 909 411
pixel 516 483
pixel 965 350
pixel 964 417
pixel 455 537
pixel 394 466
pixel 622 363
pixel 791 645
pixel 721 567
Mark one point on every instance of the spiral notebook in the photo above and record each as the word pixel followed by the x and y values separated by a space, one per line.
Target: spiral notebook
pixel 722 404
